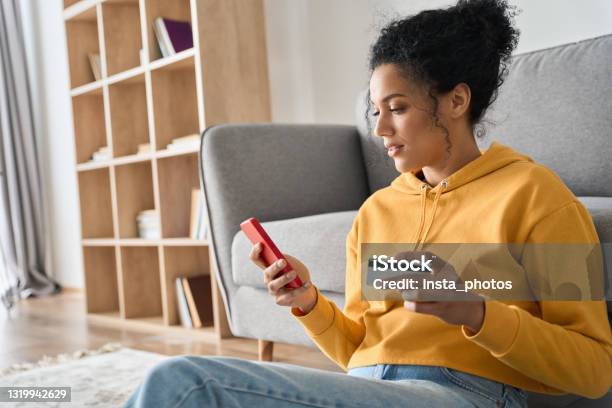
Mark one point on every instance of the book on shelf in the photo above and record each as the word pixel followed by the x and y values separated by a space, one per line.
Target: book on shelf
pixel 183 307
pixel 94 63
pixel 198 294
pixel 189 142
pixel 198 225
pixel 173 36
pixel 144 148
pixel 102 154
pixel 148 224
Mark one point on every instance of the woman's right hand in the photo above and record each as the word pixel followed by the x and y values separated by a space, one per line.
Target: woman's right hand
pixel 304 297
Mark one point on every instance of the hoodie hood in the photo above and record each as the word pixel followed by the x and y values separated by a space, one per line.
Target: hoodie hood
pixel 494 158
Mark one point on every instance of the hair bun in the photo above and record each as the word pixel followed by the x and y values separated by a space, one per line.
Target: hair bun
pixel 470 42
pixel 492 20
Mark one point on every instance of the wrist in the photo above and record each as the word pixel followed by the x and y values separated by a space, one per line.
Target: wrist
pixel 307 308
pixel 477 318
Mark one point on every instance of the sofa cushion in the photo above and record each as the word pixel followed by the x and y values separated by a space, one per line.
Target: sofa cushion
pixel 257 316
pixel 597 203
pixel 317 240
pixel 602 218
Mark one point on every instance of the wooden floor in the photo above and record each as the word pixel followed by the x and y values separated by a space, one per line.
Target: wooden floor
pixel 58 324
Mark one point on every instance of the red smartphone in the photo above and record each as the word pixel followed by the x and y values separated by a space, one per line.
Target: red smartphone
pixel 270 252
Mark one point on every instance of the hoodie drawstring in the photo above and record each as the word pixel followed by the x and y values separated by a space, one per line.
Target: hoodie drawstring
pixel 424 188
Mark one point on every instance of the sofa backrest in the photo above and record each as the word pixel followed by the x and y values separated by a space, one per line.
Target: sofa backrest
pixel 554 106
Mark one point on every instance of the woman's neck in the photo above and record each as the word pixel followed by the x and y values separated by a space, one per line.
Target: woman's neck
pixel 461 154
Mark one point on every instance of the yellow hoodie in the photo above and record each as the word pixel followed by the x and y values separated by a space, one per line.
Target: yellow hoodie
pixel 552 347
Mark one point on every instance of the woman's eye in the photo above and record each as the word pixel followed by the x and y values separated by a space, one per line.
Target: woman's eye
pixel 396 110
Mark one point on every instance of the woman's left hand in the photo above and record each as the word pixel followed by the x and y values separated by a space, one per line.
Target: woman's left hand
pixel 458 307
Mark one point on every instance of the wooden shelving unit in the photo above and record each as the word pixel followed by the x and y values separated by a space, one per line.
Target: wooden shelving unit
pixel 144 98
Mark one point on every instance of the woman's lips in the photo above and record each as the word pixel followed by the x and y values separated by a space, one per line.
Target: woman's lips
pixel 394 150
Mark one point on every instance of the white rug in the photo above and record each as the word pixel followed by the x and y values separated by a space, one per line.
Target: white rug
pixel 99 378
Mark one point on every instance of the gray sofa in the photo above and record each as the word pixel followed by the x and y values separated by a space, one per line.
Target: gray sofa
pixel 306 182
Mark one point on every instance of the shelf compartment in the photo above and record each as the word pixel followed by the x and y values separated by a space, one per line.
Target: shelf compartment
pixel 154 325
pixel 174 10
pixel 182 261
pixel 89 124
pixel 93 165
pixel 82 40
pixel 101 279
pixel 122 36
pixel 174 153
pixel 141 282
pixel 145 242
pixel 90 88
pixel 95 201
pixel 68 3
pixel 181 60
pixel 177 176
pixel 135 158
pixel 134 183
pixel 128 108
pixel 175 104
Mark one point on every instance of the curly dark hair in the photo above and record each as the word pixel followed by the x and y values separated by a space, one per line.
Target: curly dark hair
pixel 470 42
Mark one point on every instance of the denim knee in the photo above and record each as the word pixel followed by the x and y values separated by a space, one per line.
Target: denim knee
pixel 181 367
pixel 168 382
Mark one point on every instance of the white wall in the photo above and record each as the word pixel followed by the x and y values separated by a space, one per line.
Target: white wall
pixel 317 52
pixel 337 35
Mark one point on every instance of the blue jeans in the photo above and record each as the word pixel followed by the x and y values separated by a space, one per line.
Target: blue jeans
pixel 211 381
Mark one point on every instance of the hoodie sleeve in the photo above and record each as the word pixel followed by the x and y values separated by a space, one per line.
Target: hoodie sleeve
pixel 337 333
pixel 570 347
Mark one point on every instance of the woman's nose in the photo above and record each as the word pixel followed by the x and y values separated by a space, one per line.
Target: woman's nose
pixel 383 126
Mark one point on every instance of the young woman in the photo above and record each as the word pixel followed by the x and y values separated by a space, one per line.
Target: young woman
pixel 433 76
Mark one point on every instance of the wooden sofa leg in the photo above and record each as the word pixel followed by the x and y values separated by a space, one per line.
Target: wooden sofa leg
pixel 265 350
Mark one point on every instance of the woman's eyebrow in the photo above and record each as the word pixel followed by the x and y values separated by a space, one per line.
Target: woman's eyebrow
pixel 386 98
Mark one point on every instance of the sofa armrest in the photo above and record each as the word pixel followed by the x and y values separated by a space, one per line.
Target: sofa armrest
pixel 275 172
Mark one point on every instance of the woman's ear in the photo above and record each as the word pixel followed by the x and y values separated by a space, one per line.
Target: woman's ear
pixel 459 100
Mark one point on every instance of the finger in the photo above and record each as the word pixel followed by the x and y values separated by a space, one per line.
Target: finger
pixel 288 297
pixel 284 300
pixel 419 295
pixel 410 294
pixel 254 255
pixel 422 307
pixel 271 271
pixel 279 292
pixel 281 281
pixel 255 250
pixel 429 295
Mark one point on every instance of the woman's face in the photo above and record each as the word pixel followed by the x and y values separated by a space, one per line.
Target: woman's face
pixel 403 120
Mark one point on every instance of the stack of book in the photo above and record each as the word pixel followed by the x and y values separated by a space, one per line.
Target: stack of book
pixel 144 148
pixel 194 296
pixel 190 142
pixel 198 226
pixel 101 154
pixel 148 224
pixel 172 36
